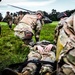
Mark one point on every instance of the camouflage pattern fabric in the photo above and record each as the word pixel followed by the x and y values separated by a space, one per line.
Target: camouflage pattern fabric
pixel 37 30
pixel 67 51
pixel 46 56
pixel 58 29
pixel 62 40
pixel 68 68
pixel 31 67
pixel 9 20
pixel 30 23
pixel 20 28
pixel 42 53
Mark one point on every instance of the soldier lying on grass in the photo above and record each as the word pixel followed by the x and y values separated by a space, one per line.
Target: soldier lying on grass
pixel 40 60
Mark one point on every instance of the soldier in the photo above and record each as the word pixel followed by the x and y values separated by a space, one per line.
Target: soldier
pixel 25 27
pixel 67 53
pixel 61 16
pixel 42 53
pixel 8 19
pixel 15 19
pixel 18 18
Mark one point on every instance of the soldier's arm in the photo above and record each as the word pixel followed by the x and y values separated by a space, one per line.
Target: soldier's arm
pixel 68 32
pixel 39 25
pixel 67 29
pixel 68 23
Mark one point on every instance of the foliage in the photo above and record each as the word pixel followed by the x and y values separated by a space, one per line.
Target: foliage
pixel 12 49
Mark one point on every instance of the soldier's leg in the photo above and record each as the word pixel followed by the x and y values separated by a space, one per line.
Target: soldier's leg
pixel 29 69
pixel 31 66
pixel 37 35
pixel 46 69
pixel 21 35
pixel 29 42
pixel 10 24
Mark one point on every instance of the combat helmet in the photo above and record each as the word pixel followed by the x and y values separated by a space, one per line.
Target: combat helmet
pixel 7 12
pixel 61 15
pixel 40 12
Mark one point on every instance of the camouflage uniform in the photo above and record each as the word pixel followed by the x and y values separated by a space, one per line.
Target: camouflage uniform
pixel 58 29
pixel 40 53
pixel 49 57
pixel 62 16
pixel 31 67
pixel 28 23
pixel 67 43
pixel 18 18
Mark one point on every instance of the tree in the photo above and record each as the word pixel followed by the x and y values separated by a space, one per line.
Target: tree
pixel 53 15
pixel 54 11
pixel 45 13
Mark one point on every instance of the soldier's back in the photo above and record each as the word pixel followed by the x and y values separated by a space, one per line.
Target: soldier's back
pixel 29 19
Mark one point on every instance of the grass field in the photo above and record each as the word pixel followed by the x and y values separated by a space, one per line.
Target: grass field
pixel 12 49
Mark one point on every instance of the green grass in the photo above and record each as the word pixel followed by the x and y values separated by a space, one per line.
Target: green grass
pixel 12 49
pixel 47 32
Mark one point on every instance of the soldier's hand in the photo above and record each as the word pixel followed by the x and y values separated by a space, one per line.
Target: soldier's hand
pixel 48 47
pixel 40 49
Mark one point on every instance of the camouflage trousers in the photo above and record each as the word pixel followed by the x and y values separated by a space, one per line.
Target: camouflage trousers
pixel 9 21
pixel 31 67
pixel 34 55
pixel 20 31
pixel 50 57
